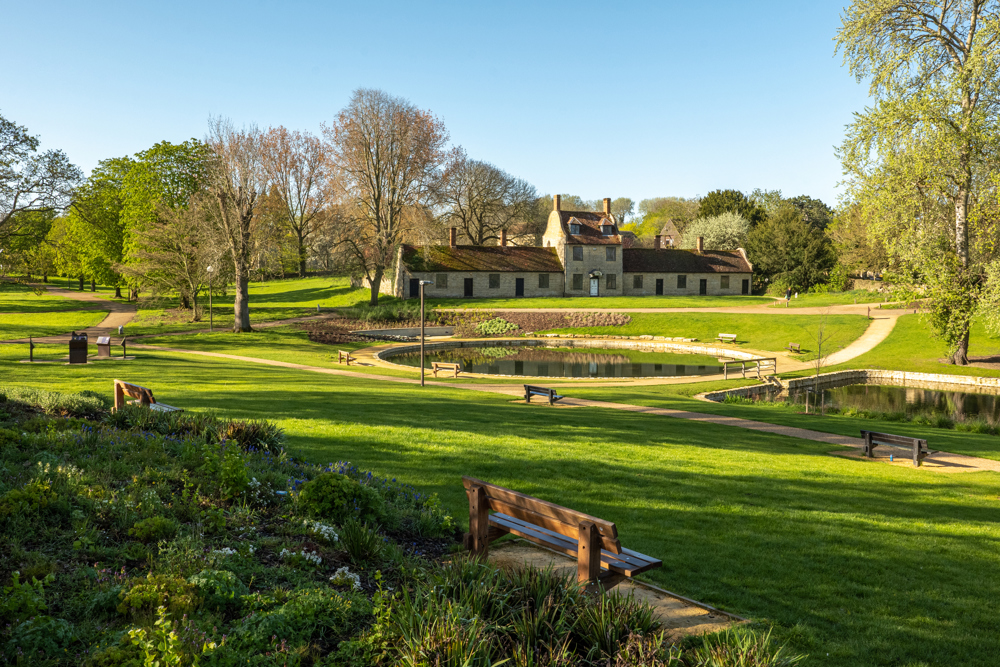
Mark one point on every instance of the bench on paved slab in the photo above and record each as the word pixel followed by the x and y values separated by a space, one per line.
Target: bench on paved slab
pixel 443 366
pixel 142 395
pixel 726 338
pixel 917 446
pixel 794 347
pixel 345 356
pixel 600 558
pixel 532 390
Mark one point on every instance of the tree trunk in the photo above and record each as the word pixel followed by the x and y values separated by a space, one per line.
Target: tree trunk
pixel 241 307
pixel 961 355
pixel 93 285
pixel 118 291
pixel 376 286
pixel 81 282
pixel 194 299
pixel 302 256
pixel 45 277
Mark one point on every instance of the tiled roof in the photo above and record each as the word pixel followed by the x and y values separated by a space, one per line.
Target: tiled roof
pixel 590 228
pixel 645 260
pixel 481 258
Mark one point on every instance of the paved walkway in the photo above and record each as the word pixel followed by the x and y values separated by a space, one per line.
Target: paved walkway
pixel 942 462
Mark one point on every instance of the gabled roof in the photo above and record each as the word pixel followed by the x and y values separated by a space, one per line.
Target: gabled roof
pixel 481 258
pixel 590 228
pixel 646 260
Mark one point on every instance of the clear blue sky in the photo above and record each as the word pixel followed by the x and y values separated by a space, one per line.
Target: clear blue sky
pixel 599 99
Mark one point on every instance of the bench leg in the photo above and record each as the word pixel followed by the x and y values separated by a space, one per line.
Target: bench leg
pixel 527 396
pixel 869 446
pixel 610 580
pixel 119 397
pixel 588 555
pixel 479 522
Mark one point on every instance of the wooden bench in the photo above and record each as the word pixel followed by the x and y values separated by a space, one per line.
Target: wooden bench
pixel 917 447
pixel 345 356
pixel 142 395
pixel 726 338
pixel 442 366
pixel 531 390
pixel 794 347
pixel 600 558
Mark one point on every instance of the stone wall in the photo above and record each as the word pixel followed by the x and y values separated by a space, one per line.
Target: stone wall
pixel 693 281
pixel 481 284
pixel 594 259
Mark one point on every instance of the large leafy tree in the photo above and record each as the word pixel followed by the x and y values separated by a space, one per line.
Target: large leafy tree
pixel 389 156
pixel 921 158
pixel 30 180
pixel 785 248
pixel 96 224
pixel 718 202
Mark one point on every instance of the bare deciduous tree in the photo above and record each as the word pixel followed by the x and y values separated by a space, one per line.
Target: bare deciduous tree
pixel 482 200
pixel 237 181
pixel 297 165
pixel 388 154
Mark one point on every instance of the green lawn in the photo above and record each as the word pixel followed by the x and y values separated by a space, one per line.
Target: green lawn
pixel 831 299
pixel 15 298
pixel 758 332
pixel 854 563
pixel 269 301
pixel 618 302
pixel 18 325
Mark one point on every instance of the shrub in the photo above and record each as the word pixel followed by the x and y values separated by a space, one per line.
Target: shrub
pixel 361 542
pixel 497 326
pixel 254 434
pixel 41 634
pixel 84 404
pixel 175 594
pixel 575 320
pixel 22 601
pixel 337 497
pixel 219 589
pixel 35 496
pixel 153 529
pixel 226 465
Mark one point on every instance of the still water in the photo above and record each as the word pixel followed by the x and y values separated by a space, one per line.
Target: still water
pixel 566 362
pixel 911 401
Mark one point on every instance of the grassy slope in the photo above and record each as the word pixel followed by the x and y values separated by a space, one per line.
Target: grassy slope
pixel 17 325
pixel 760 332
pixel 269 301
pixel 870 564
pixel 621 302
pixel 15 298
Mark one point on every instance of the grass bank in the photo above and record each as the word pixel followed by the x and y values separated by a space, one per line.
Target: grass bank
pixel 14 326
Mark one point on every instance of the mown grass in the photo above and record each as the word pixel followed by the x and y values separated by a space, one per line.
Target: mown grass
pixel 17 298
pixel 856 563
pixel 617 302
pixel 820 300
pixel 14 326
pixel 269 301
pixel 759 332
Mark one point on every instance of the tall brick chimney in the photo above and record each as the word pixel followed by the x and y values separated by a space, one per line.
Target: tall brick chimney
pixel 701 244
pixel 503 237
pixel 607 206
pixel 556 203
pixel 658 242
pixel 453 237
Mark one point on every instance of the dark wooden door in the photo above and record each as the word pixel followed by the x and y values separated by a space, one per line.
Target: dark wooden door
pixel 746 286
pixel 659 286
pixel 703 286
pixel 468 287
pixel 414 288
pixel 519 287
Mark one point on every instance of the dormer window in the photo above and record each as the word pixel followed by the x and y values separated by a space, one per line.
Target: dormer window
pixel 574 228
pixel 608 230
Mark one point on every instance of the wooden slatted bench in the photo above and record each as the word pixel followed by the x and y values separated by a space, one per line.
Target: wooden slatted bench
pixel 345 356
pixel 794 347
pixel 726 338
pixel 142 395
pixel 917 446
pixel 532 390
pixel 443 366
pixel 600 558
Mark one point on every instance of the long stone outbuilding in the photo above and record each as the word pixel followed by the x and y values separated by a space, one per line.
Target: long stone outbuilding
pixel 582 254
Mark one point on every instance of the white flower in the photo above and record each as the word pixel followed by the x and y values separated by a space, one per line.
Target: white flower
pixel 324 531
pixel 307 556
pixel 226 551
pixel 346 577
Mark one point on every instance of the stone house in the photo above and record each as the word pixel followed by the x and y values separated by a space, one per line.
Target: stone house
pixel 583 253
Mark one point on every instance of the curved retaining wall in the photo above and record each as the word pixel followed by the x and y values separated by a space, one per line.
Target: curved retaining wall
pixel 979 385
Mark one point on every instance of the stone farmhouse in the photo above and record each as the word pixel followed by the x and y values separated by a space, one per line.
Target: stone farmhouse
pixel 581 254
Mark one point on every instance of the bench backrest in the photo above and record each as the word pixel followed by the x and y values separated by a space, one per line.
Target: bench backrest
pixel 548 515
pixel 444 364
pixel 540 390
pixel 123 389
pixel 890 439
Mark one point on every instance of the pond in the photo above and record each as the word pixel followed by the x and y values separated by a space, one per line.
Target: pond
pixel 910 400
pixel 566 362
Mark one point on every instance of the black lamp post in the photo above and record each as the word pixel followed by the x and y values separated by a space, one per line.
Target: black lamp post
pixel 210 327
pixel 422 283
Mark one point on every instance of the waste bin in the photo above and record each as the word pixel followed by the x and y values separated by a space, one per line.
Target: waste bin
pixel 104 347
pixel 78 348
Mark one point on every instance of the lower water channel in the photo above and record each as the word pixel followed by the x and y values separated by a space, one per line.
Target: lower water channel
pixel 566 362
pixel 909 400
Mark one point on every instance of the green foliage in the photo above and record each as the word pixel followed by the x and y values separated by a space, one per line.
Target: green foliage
pixel 38 636
pixel 252 434
pixel 336 497
pixel 153 529
pixel 742 648
pixel 226 463
pixel 361 542
pixel 786 248
pixel 22 601
pixel 497 326
pixel 219 589
pixel 35 496
pixel 718 202
pixel 175 594
pixel 83 404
